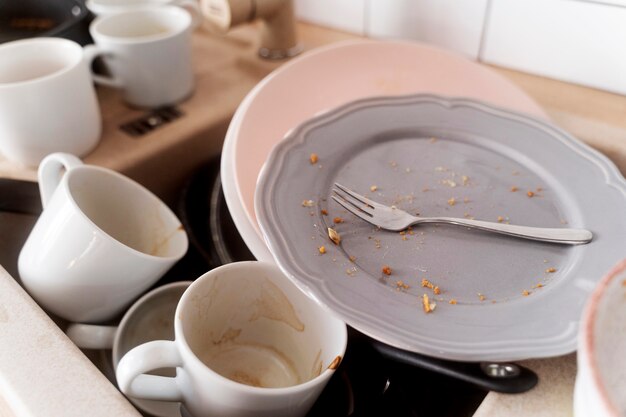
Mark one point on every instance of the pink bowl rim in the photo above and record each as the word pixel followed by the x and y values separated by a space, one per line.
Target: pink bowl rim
pixel 588 343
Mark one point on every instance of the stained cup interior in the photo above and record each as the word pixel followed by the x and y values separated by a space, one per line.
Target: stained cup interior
pixel 127 212
pixel 249 323
pixel 34 59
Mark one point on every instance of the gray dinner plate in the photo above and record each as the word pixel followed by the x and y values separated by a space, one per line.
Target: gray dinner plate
pixel 501 298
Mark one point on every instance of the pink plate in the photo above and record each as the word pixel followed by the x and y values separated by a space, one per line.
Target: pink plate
pixel 601 376
pixel 327 77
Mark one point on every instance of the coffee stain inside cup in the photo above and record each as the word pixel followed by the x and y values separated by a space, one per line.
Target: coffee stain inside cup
pixel 316 369
pixel 252 364
pixel 273 304
pixel 162 246
pixel 335 363
pixel 231 342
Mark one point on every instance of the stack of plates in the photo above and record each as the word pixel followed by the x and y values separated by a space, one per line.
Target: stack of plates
pixel 502 298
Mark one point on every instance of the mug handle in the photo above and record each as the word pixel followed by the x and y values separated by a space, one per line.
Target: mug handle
pixel 51 172
pixel 131 369
pixel 91 336
pixel 194 10
pixel 91 52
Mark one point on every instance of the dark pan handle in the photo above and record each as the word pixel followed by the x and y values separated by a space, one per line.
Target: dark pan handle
pixel 507 378
pixel 20 196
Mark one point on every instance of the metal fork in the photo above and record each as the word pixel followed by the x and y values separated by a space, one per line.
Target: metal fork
pixel 391 218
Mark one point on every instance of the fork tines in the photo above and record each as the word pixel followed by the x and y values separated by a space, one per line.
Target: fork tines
pixel 353 202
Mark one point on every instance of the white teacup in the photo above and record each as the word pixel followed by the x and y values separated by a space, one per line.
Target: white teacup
pixel 248 342
pixel 151 317
pixel 47 100
pixel 148 52
pixel 101 241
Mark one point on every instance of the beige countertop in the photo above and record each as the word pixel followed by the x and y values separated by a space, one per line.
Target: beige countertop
pixel 42 373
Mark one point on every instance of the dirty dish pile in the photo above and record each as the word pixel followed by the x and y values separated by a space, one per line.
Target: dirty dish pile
pixel 444 291
pixel 242 331
pixel 337 74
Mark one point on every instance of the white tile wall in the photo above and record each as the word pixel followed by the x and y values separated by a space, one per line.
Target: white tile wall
pixel 346 15
pixel 581 41
pixel 451 24
pixel 577 41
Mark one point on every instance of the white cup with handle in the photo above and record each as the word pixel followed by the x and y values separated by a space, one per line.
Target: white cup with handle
pixel 47 100
pixel 149 318
pixel 247 342
pixel 101 240
pixel 148 53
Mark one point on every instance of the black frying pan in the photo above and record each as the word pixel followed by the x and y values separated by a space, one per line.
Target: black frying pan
pixel 20 19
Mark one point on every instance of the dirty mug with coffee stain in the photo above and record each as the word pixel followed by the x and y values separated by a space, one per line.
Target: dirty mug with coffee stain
pixel 101 241
pixel 248 343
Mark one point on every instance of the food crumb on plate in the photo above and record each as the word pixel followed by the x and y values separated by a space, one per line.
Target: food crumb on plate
pixel 452 201
pixel 452 301
pixel 386 269
pixel 526 293
pixel 402 286
pixel 338 220
pixel 427 284
pixel 373 188
pixel 551 270
pixel 313 158
pixel 308 203
pixel 427 305
pixel 334 236
pixel 322 250
pixel 449 183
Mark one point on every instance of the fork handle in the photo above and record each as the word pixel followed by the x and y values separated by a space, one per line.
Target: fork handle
pixel 543 234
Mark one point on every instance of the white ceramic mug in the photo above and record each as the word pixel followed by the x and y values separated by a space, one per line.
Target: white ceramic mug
pixel 151 317
pixel 148 52
pixel 47 100
pixel 101 241
pixel 248 342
